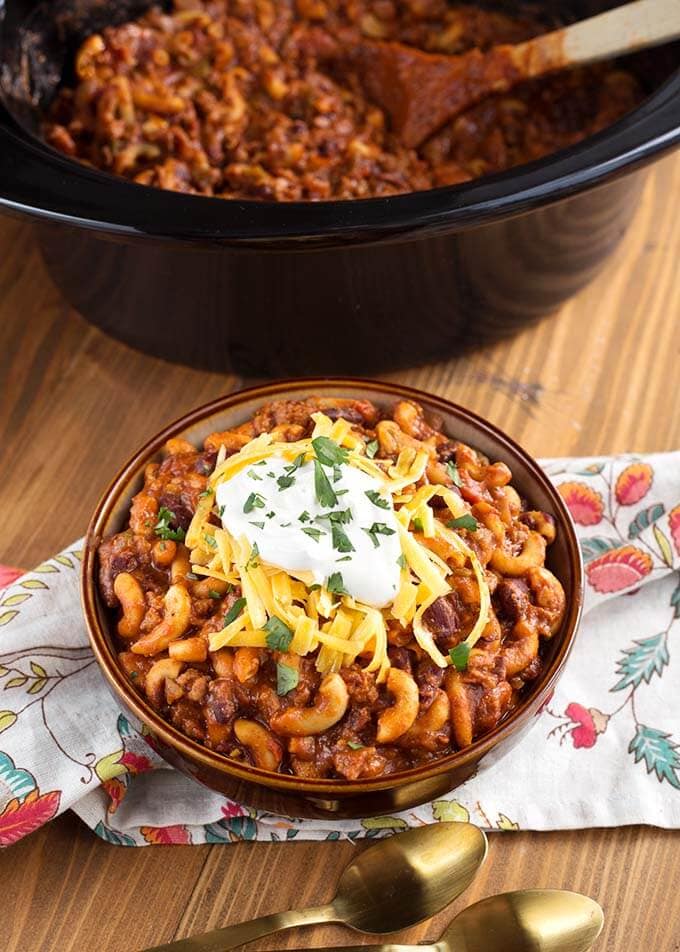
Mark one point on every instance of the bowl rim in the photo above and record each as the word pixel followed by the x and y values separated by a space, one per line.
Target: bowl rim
pixel 56 188
pixel 102 643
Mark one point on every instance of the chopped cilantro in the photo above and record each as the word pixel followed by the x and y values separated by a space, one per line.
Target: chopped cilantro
pixel 270 474
pixel 378 528
pixel 355 745
pixel 460 655
pixel 213 593
pixel 164 530
pixel 336 584
pixel 253 557
pixel 314 587
pixel 418 524
pixel 279 635
pixel 324 491
pixel 254 501
pixel 284 525
pixel 345 558
pixel 220 511
pixel 234 611
pixel 254 475
pixel 285 482
pixel 328 452
pixel 304 517
pixel 262 462
pixel 340 539
pixel 452 470
pixel 258 525
pixel 341 492
pixel 337 474
pixel 206 492
pixel 463 522
pixel 210 540
pixel 286 678
pixel 401 561
pixel 270 515
pixel 313 533
pixel 377 499
pixel 371 448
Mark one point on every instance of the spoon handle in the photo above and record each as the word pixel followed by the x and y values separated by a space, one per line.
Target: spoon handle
pixel 229 937
pixel 625 29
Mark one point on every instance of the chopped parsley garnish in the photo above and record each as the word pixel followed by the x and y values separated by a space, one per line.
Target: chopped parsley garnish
pixel 371 448
pixel 341 492
pixel 401 561
pixel 270 474
pixel 270 515
pixel 336 584
pixel 452 470
pixel 340 539
pixel 314 588
pixel 286 678
pixel 213 593
pixel 337 474
pixel 279 635
pixel 460 655
pixel 355 745
pixel 378 528
pixel 262 462
pixel 304 517
pixel 234 611
pixel 285 482
pixel 206 492
pixel 418 524
pixel 253 557
pixel 345 558
pixel 164 530
pixel 284 525
pixel 463 522
pixel 258 525
pixel 254 475
pixel 328 452
pixel 313 533
pixel 340 516
pixel 220 511
pixel 254 501
pixel 377 499
pixel 210 540
pixel 324 491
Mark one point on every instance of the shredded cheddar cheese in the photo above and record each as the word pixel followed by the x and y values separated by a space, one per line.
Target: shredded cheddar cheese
pixel 337 626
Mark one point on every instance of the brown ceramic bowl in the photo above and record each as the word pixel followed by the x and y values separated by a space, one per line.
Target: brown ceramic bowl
pixel 284 794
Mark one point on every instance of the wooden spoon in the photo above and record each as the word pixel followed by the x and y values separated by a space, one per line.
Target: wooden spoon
pixel 421 91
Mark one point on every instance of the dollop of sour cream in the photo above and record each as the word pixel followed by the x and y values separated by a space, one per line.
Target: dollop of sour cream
pixel 356 536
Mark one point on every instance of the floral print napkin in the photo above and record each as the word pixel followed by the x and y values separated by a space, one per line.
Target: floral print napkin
pixel 604 752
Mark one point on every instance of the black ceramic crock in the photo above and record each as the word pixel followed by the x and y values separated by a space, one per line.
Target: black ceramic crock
pixel 265 288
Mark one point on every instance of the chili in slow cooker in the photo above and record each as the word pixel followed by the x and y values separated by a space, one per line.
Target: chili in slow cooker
pixel 250 99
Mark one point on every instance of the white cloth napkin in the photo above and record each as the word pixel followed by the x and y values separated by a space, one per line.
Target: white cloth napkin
pixel 603 753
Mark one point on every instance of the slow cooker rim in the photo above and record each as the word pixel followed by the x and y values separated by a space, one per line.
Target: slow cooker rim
pixel 55 188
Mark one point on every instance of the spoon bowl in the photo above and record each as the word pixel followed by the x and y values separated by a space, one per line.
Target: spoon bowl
pixel 408 878
pixel 529 920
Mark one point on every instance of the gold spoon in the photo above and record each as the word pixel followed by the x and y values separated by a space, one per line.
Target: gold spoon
pixel 394 884
pixel 529 920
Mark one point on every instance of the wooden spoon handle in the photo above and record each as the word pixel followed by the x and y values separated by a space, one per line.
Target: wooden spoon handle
pixel 626 29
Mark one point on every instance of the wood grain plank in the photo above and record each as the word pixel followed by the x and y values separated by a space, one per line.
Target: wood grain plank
pixel 599 377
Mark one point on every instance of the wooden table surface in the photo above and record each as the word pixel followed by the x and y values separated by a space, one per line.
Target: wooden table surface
pixel 600 377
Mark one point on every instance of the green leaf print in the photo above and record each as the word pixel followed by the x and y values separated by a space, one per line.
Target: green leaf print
pixel 659 753
pixel 641 662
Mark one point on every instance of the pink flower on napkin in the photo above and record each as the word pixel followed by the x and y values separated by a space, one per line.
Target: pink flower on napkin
pixel 590 723
pixel 584 504
pixel 674 526
pixel 633 483
pixel 618 569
